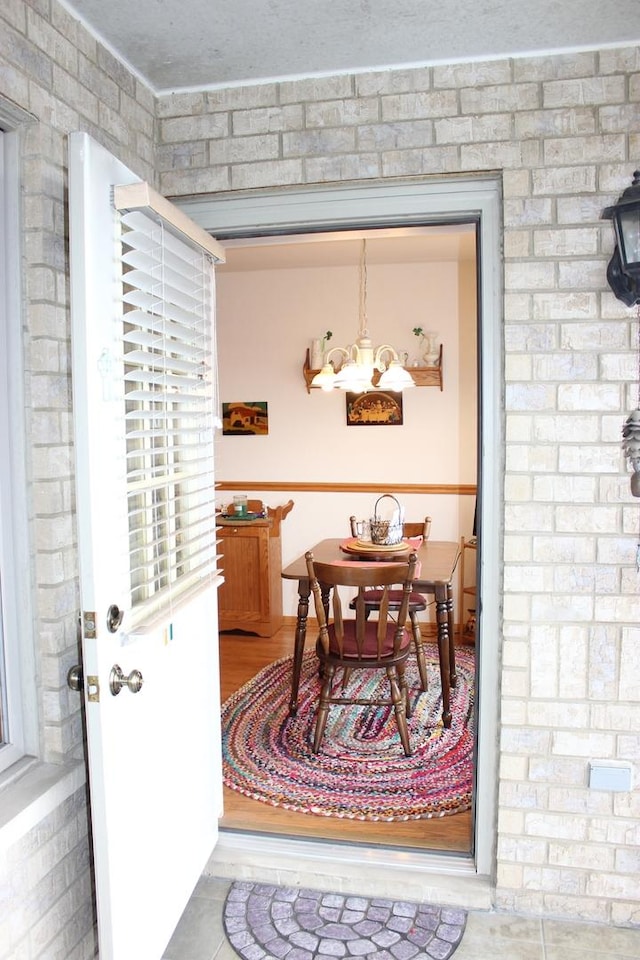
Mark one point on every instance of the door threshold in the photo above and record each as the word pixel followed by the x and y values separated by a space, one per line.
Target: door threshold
pixel 449 879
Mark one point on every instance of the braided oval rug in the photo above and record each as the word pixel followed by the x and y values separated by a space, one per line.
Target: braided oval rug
pixel 361 772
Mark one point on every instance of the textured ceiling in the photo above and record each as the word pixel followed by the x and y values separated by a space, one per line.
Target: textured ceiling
pixel 195 44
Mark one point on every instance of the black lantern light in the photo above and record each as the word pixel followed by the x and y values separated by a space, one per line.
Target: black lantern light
pixel 623 272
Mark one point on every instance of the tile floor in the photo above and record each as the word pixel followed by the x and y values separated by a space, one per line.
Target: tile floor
pixel 488 936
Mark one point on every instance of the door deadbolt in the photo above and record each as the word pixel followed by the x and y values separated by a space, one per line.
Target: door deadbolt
pixel 114 617
pixel 118 680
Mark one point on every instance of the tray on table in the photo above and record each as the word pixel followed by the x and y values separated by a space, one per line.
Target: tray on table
pixel 366 550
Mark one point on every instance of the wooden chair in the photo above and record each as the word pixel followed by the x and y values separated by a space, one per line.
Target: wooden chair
pixel 382 644
pixel 417 601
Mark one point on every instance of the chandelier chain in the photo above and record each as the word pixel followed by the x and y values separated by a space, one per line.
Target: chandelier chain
pixel 363 290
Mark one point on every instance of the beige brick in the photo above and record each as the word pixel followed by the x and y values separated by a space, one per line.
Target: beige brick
pixel 566 150
pixel 348 167
pixel 405 163
pixel 516 183
pixel 557 770
pixel 577 396
pixel 393 81
pixel 517 308
pixel 554 67
pixel 566 427
pixel 526 579
pixel 528 211
pixel 559 180
pixel 518 488
pixel 574 305
pixel 266 120
pixel 190 104
pixel 531 275
pixel 589 90
pixel 178 183
pixel 340 113
pixel 187 129
pixel 518 428
pixel 273 173
pixel 517 549
pixel 318 143
pixel 518 366
pixel 499 154
pixel 419 106
pixel 472 74
pixel 535 396
pixel 395 136
pixel 582 209
pixel 510 98
pixel 568 489
pixel 583 743
pixel 565 366
pixel 522 850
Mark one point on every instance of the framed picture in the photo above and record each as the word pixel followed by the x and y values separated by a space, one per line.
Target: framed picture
pixel 246 418
pixel 374 409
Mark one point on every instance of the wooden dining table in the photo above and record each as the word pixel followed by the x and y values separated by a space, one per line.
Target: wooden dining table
pixel 438 560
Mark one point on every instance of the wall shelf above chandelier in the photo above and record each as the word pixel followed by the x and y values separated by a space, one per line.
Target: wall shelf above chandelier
pixel 421 376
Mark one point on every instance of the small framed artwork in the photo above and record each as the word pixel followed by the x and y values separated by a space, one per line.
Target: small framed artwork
pixel 246 418
pixel 377 409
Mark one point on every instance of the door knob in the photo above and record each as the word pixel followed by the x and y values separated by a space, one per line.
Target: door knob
pixel 75 680
pixel 118 680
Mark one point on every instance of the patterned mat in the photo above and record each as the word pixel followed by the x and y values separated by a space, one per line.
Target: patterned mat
pixel 361 772
pixel 263 922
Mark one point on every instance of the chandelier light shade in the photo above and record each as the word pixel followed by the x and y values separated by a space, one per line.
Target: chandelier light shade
pixel 355 365
pixel 623 272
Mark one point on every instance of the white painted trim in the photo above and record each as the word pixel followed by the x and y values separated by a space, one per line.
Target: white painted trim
pixel 17 609
pixel 417 202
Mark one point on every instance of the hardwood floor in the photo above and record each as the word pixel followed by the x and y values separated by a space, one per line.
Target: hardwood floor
pixel 241 657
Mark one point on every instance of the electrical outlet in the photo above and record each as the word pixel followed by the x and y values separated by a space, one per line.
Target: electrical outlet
pixel 609 775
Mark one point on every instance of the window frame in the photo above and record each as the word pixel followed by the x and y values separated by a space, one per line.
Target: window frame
pixel 16 611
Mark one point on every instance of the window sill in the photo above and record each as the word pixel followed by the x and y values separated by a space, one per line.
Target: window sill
pixel 31 790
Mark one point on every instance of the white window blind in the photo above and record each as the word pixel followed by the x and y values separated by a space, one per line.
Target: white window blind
pixel 168 354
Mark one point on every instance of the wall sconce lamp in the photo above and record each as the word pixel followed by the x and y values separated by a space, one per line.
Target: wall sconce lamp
pixel 623 272
pixel 623 275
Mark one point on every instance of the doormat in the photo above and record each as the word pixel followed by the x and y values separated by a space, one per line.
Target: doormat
pixel 266 921
pixel 361 772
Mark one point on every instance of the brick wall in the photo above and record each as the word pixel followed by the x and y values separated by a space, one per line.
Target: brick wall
pixel 564 131
pixel 61 80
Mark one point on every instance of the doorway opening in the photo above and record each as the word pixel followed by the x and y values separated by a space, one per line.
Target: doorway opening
pixel 409 205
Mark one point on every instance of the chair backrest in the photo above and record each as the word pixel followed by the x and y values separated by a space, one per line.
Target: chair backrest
pixel 420 529
pixel 371 636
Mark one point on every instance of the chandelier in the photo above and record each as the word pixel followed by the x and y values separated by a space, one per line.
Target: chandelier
pixel 357 363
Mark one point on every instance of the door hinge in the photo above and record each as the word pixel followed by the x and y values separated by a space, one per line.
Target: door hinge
pixel 93 689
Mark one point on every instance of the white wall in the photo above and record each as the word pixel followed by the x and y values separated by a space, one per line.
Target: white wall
pixel 266 321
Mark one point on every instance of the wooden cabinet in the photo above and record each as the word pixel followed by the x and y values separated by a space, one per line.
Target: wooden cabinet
pixel 467 588
pixel 251 558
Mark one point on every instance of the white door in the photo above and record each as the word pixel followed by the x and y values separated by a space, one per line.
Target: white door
pixel 154 752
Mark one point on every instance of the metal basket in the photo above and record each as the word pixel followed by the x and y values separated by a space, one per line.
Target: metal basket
pixel 386 532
